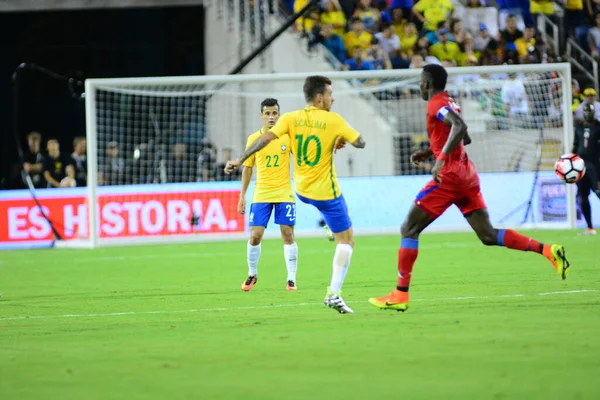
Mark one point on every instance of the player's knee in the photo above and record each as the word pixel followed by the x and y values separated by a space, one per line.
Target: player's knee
pixel 287 234
pixel 255 238
pixel 409 231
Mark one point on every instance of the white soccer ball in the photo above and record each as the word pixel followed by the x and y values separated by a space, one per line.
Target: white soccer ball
pixel 570 168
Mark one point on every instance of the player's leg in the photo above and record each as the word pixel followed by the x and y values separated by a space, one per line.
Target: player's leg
pixel 285 216
pixel 335 213
pixel 430 203
pixel 258 220
pixel 480 222
pixel 584 187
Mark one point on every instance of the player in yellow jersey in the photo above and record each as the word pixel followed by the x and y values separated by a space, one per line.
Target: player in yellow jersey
pixel 315 133
pixel 273 191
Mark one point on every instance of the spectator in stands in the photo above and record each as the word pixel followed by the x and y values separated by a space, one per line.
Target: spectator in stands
pixel 577 96
pixel 574 15
pixel 475 4
pixel 468 55
pixel 57 167
pixel 377 57
pixel 79 160
pixel 308 20
pixel 207 159
pixel 526 48
pixel 512 32
pixel 357 62
pixel 593 37
pixel 142 165
pixel 431 12
pixel 432 36
pixel 331 41
pixel 417 61
pixel 458 31
pixel 422 45
pixel 482 39
pixel 405 7
pixel 398 21
pixel 408 40
pixel 368 14
pixel 34 159
pixel 514 9
pixel 357 36
pixel 111 169
pixel 334 15
pixel 388 40
pixel 179 167
pixel 589 97
pixel 537 8
pixel 445 50
pixel 515 102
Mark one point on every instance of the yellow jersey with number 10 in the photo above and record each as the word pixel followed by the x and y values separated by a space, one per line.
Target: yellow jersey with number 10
pixel 312 134
pixel 273 183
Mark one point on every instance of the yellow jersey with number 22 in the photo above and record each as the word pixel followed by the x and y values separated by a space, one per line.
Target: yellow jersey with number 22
pixel 273 183
pixel 312 133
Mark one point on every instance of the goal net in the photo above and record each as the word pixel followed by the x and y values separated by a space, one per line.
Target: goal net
pixel 157 147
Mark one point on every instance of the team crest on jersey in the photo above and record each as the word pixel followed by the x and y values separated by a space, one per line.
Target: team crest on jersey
pixel 283 147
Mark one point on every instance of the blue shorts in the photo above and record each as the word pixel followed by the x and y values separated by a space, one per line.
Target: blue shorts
pixel 260 213
pixel 334 211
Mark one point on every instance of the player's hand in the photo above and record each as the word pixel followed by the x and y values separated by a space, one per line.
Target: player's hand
pixel 436 171
pixel 231 166
pixel 27 167
pixel 340 143
pixel 242 206
pixel 418 156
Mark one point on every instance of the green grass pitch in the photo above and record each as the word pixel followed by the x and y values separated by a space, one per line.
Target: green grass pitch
pixel 170 322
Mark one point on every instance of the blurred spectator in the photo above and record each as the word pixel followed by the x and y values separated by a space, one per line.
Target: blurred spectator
pixel 469 56
pixel 511 33
pixel 417 61
pixel 526 48
pixel 445 50
pixel 207 160
pixel 422 45
pixel 357 36
pixel 432 36
pixel 34 159
pixel 577 95
pixel 574 15
pixel 331 41
pixel 475 4
pixel 334 15
pixel 398 21
pixel 408 40
pixel 379 58
pixel 368 14
pixel 220 174
pixel 589 97
pixel 514 9
pixel 432 12
pixel 482 39
pixel 142 164
pixel 308 20
pixel 458 31
pixel 357 62
pixel 57 167
pixel 404 5
pixel 593 37
pixel 180 168
pixel 79 160
pixel 538 8
pixel 515 99
pixel 111 169
pixel 388 40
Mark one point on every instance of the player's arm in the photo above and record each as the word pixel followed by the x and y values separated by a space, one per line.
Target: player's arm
pixel 467 139
pixel 347 134
pixel 246 178
pixel 457 133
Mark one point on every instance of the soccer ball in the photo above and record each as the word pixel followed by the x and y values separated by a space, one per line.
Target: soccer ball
pixel 570 168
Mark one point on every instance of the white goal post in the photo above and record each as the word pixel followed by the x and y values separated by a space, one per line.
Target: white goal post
pixel 155 147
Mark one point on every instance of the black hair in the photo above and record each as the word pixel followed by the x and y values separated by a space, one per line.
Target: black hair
pixel 314 85
pixel 270 102
pixel 439 76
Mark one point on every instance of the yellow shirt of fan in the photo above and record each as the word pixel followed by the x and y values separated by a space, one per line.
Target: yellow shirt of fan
pixel 574 5
pixel 351 40
pixel 312 134
pixel 273 184
pixel 335 17
pixel 434 11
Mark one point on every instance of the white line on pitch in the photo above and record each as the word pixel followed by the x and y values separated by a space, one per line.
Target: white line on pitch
pixel 275 306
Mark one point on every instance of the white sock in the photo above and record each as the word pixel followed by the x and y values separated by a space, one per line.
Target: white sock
pixel 253 257
pixel 290 252
pixel 341 263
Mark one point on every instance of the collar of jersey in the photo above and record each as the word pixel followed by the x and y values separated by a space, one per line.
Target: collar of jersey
pixel 310 108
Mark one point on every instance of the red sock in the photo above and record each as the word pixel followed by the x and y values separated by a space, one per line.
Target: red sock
pixel 407 255
pixel 516 241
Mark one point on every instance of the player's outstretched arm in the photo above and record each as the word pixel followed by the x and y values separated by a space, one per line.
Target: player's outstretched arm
pixel 260 143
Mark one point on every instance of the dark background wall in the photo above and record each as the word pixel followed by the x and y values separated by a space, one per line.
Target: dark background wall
pixel 89 44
